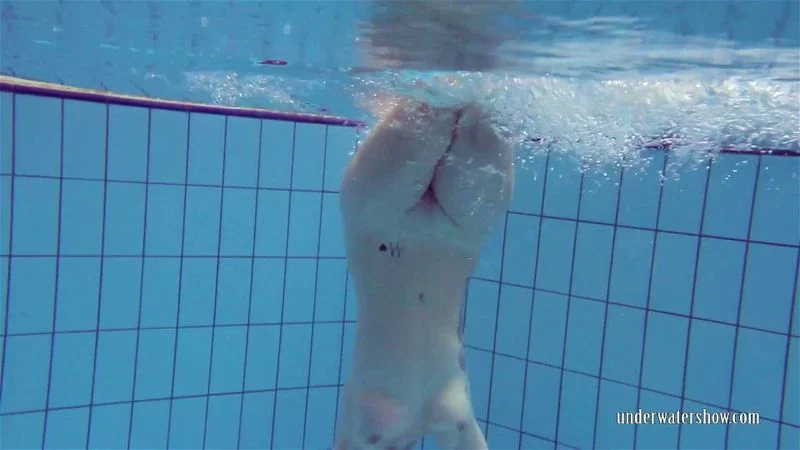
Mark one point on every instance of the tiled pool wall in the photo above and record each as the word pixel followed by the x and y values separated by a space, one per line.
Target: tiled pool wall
pixel 179 279
pixel 612 292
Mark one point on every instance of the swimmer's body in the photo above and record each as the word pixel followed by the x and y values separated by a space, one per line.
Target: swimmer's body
pixel 419 200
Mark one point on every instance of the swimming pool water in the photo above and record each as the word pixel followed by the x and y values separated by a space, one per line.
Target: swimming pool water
pixel 176 279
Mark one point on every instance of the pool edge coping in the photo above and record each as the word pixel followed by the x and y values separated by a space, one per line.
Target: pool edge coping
pixel 46 89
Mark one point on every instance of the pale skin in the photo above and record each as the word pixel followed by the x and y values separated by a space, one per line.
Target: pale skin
pixel 419 199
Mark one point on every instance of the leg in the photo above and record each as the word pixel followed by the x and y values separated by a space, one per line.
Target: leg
pixel 452 420
pixel 474 180
pixel 393 168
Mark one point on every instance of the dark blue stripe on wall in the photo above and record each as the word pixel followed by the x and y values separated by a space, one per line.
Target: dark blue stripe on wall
pixel 250 288
pixel 57 269
pixel 180 279
pixel 533 298
pixel 216 281
pixel 283 289
pixel 341 340
pixel 30 87
pixel 22 86
pixel 569 304
pixel 608 289
pixel 100 279
pixel 141 277
pixel 316 278
pixel 738 308
pixel 7 300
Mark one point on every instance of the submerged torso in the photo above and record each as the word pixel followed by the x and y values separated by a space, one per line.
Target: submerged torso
pixel 411 288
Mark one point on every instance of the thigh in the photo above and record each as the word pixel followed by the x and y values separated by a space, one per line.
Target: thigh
pixel 474 180
pixel 393 167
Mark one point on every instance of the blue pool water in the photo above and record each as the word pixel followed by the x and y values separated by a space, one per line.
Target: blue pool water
pixel 178 279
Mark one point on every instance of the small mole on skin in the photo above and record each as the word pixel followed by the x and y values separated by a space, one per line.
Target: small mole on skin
pixel 462 425
pixel 421 297
pixel 382 247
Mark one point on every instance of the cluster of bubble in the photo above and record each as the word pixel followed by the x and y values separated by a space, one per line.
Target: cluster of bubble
pixel 597 123
pixel 601 122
